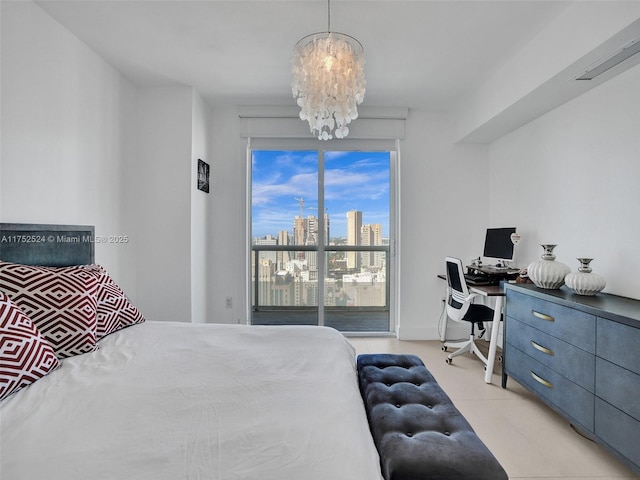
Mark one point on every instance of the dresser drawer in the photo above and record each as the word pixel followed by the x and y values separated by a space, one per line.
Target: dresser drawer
pixel 570 398
pixel 618 386
pixel 572 326
pixel 619 431
pixel 619 344
pixel 568 360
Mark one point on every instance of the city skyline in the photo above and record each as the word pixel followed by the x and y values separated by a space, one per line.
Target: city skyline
pixel 353 181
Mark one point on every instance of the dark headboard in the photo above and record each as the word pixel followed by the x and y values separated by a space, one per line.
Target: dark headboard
pixel 50 245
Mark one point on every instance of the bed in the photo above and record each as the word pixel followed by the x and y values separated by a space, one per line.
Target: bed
pixel 160 400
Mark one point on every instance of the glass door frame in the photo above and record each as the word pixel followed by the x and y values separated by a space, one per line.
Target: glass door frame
pixel 392 270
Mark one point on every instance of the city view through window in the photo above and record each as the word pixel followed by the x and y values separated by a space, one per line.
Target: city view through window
pixel 295 245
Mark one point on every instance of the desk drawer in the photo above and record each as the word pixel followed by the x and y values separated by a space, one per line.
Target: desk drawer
pixel 573 326
pixel 570 398
pixel 570 361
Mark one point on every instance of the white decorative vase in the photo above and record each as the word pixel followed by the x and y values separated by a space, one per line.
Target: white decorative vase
pixel 547 273
pixel 583 282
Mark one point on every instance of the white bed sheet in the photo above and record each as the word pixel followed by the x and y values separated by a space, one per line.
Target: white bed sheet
pixel 181 401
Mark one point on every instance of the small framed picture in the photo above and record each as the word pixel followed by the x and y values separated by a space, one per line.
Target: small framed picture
pixel 203 176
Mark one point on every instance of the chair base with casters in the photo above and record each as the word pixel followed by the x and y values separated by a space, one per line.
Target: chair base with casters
pixel 476 315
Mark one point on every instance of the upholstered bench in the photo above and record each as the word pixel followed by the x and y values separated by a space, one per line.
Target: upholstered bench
pixel 417 430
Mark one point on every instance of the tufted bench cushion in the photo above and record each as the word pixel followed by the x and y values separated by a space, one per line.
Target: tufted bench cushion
pixel 417 430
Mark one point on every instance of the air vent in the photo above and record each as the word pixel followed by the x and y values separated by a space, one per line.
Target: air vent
pixel 611 61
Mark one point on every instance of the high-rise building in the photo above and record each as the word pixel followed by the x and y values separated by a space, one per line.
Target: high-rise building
pixel 283 257
pixel 266 271
pixel 371 235
pixel 299 230
pixel 312 230
pixel 305 232
pixel 299 234
pixel 326 229
pixel 267 240
pixel 366 239
pixel 379 258
pixel 354 225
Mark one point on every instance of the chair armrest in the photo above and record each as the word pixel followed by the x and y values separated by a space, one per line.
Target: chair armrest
pixel 471 297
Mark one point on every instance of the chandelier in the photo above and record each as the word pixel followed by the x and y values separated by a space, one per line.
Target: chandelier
pixel 328 81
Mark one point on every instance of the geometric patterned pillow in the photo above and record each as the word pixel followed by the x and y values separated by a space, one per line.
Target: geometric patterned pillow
pixel 61 302
pixel 115 311
pixel 25 356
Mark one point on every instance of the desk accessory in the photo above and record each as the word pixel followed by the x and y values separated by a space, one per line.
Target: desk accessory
pixel 547 273
pixel 583 282
pixel 523 276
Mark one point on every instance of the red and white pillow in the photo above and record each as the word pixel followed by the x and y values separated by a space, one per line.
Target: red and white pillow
pixel 48 313
pixel 114 311
pixel 61 302
pixel 25 356
pixel 73 307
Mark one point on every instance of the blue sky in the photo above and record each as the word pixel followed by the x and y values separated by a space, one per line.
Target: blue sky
pixel 353 181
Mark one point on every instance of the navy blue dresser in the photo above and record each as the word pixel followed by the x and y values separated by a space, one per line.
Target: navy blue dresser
pixel 581 356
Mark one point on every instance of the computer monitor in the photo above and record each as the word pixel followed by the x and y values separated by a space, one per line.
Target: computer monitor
pixel 498 244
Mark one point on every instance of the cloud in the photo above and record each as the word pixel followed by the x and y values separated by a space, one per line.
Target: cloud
pixel 353 180
pixel 271 221
pixel 304 185
pixel 281 176
pixel 341 184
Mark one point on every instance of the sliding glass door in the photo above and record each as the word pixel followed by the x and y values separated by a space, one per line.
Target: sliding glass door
pixel 321 234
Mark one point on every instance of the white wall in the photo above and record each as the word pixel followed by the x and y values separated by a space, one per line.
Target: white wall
pixel 572 178
pixel 228 260
pixel 160 210
pixel 66 133
pixel 201 212
pixel 444 192
pixel 171 219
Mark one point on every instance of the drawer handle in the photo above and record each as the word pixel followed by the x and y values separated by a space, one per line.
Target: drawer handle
pixel 541 380
pixel 541 348
pixel 542 316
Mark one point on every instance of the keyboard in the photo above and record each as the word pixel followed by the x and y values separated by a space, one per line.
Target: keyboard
pixel 496 268
pixel 477 279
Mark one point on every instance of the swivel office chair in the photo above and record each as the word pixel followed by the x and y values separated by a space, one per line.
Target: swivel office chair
pixel 460 307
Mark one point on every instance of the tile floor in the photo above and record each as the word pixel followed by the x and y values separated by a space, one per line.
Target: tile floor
pixel 529 439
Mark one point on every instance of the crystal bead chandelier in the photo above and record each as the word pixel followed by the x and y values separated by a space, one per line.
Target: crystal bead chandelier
pixel 328 81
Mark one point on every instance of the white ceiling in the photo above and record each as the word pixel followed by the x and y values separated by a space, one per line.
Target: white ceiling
pixel 425 54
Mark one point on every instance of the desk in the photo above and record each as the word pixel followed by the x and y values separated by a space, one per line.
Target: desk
pixel 496 292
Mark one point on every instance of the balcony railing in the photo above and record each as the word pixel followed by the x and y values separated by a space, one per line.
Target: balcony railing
pixel 355 288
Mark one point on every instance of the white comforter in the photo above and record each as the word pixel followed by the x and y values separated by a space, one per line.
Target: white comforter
pixel 180 401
